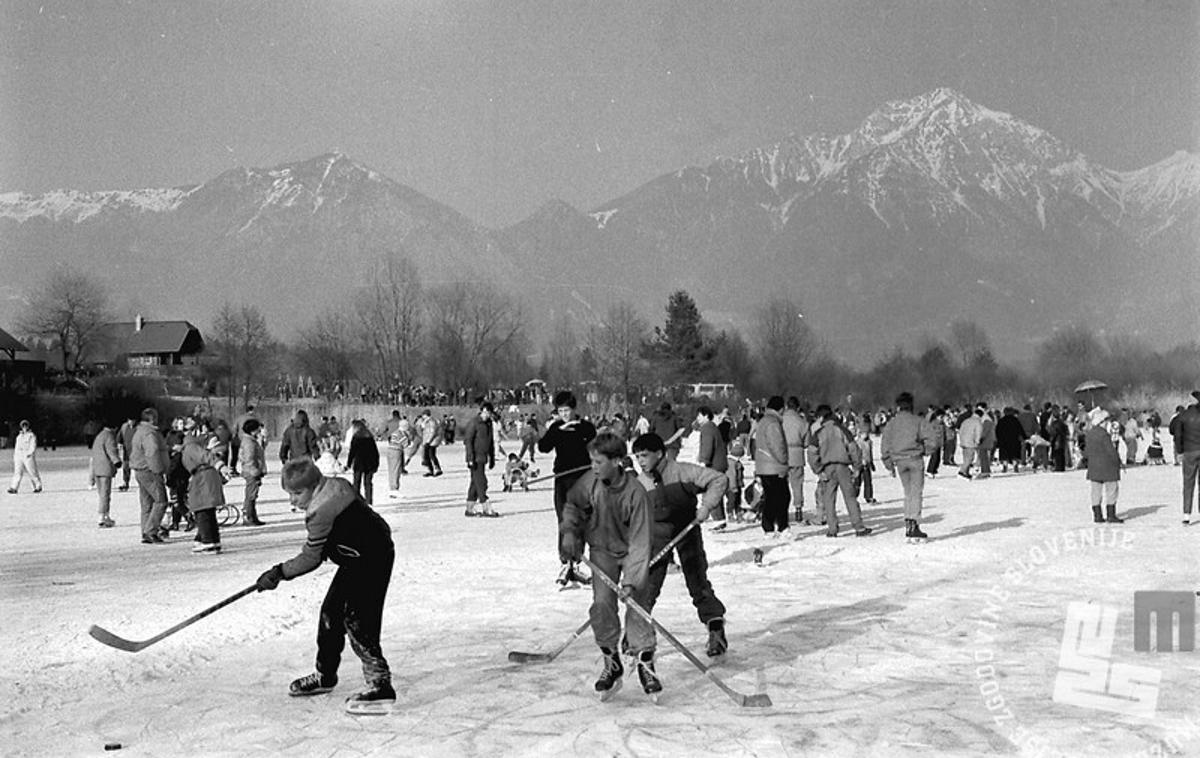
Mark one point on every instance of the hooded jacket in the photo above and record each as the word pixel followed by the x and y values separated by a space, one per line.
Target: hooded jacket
pixel 770 445
pixel 614 519
pixel 299 440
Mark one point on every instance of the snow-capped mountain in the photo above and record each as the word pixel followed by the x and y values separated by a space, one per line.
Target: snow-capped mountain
pixel 935 208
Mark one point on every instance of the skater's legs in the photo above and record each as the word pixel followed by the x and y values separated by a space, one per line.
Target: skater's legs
pixel 693 561
pixel 364 620
pixel 912 480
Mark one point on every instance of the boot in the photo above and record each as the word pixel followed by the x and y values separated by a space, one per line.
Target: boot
pixel 1111 513
pixel 251 517
pixel 651 684
pixel 376 698
pixel 1097 515
pixel 610 676
pixel 717 644
pixel 312 684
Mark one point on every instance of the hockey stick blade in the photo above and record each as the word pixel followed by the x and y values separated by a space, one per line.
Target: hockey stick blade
pixel 517 656
pixel 760 700
pixel 105 637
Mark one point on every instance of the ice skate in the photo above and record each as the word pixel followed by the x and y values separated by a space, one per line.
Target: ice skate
pixel 913 533
pixel 107 523
pixel 312 684
pixel 206 547
pixel 609 682
pixel 651 684
pixel 376 700
pixel 717 644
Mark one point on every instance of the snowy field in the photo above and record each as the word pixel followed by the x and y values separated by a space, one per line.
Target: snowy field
pixel 866 646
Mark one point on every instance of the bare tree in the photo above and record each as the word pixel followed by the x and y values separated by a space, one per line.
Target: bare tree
pixel 560 361
pixel 247 349
pixel 471 325
pixel 970 341
pixel 390 313
pixel 69 308
pixel 617 343
pixel 326 348
pixel 785 344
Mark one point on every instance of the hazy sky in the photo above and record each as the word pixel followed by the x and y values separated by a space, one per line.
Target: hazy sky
pixel 495 108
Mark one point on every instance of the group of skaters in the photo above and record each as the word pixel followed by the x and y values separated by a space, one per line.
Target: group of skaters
pixel 180 472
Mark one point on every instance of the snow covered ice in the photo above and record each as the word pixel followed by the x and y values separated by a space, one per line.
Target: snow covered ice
pixel 866 646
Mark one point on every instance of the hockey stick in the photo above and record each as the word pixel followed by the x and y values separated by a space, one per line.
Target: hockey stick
pixel 516 656
pixel 120 643
pixel 560 473
pixel 760 700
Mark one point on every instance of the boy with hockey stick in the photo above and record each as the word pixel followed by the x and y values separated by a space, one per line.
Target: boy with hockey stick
pixel 608 510
pixel 673 486
pixel 344 529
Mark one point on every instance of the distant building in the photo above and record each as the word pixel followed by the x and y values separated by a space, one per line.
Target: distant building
pixel 19 371
pixel 146 347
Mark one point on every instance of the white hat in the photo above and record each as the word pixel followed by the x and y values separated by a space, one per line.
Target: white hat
pixel 1097 415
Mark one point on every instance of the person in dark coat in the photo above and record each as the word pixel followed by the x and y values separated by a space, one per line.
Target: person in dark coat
pixel 668 426
pixel 479 443
pixel 299 440
pixel 1103 467
pixel 344 529
pixel 1060 440
pixel 203 460
pixel 363 460
pixel 1010 440
pixel 567 436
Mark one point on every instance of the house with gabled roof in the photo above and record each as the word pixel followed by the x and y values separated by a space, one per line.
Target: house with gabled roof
pixel 18 372
pixel 143 346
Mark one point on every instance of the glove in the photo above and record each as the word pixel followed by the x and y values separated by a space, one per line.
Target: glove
pixel 270 578
pixel 570 547
pixel 701 514
pixel 471 465
pixel 626 591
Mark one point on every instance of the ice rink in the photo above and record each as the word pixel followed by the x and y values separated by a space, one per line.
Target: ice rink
pixel 867 646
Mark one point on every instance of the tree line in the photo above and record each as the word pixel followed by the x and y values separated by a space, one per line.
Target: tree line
pixel 469 334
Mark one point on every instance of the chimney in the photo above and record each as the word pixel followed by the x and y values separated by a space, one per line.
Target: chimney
pixel 138 323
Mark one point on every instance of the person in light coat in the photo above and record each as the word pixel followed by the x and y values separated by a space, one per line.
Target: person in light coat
pixel 106 461
pixel 25 459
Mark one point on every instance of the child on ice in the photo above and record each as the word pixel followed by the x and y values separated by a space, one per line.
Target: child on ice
pixel 344 529
pixel 516 473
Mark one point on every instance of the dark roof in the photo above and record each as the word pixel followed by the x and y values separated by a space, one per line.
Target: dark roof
pixel 119 338
pixel 160 337
pixel 11 343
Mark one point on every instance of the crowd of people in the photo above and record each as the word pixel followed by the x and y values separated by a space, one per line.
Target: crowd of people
pixel 634 520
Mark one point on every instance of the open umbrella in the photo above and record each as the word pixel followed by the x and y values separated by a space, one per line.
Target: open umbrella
pixel 1091 386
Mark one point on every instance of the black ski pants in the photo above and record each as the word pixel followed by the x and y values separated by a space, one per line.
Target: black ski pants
pixel 562 485
pixel 693 562
pixel 353 608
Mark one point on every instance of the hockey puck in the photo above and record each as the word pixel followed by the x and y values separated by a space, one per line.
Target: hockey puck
pixel 112 745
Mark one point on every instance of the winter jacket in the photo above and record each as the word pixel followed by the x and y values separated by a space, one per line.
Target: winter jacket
pixel 770 445
pixel 479 442
pixel 795 431
pixel 149 450
pixel 25 446
pixel 1185 429
pixel 125 437
pixel 987 432
pixel 830 443
pixel 673 501
pixel 714 452
pixel 613 519
pixel 206 487
pixel 1010 437
pixel 1103 462
pixel 299 441
pixel 970 431
pixel 431 432
pixel 252 459
pixel 105 457
pixel 666 424
pixel 364 454
pixel 344 529
pixel 905 436
pixel 568 445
